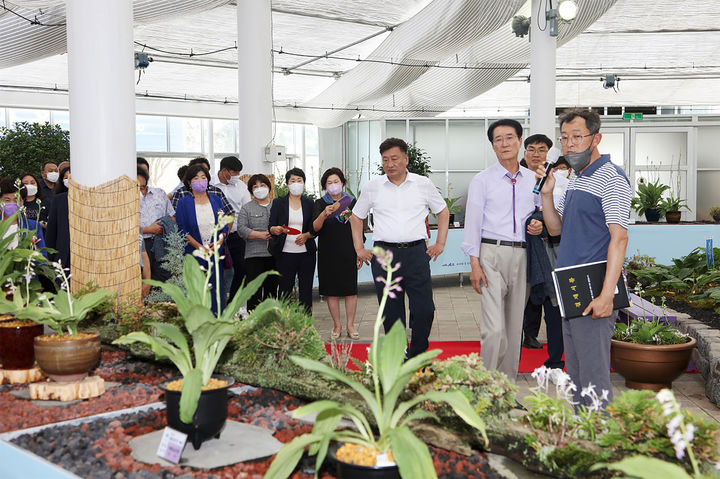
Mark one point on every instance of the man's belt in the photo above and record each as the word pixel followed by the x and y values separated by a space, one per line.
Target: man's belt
pixel 514 244
pixel 399 245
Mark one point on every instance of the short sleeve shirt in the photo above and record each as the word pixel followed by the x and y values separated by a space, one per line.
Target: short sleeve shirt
pixel 593 200
pixel 399 211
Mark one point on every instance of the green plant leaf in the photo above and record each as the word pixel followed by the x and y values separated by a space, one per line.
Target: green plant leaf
pixel 391 354
pixel 196 317
pixel 174 334
pixel 176 294
pixel 190 395
pixel 411 455
pixel 194 279
pixel 244 294
pixel 643 467
pixel 284 463
pixel 160 347
pixel 417 415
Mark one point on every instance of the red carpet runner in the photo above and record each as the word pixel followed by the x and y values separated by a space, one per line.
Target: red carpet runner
pixel 530 359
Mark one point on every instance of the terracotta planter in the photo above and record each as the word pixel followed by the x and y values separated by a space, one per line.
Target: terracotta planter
pixel 210 417
pixel 652 215
pixel 673 217
pixel 67 359
pixel 16 343
pixel 650 366
pixel 345 470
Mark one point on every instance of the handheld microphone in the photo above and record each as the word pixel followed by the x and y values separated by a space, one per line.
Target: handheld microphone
pixel 541 181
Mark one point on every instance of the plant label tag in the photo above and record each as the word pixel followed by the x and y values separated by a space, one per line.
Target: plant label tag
pixel 456 224
pixel 383 460
pixel 172 445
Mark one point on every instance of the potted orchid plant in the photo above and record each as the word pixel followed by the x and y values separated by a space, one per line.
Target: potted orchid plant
pixel 197 402
pixel 391 448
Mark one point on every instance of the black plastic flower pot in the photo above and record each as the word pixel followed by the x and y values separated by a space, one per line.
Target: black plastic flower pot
pixel 344 470
pixel 652 215
pixel 210 417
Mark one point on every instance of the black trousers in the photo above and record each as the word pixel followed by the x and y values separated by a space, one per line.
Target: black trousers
pixel 417 284
pixel 302 265
pixel 156 270
pixel 553 327
pixel 236 246
pixel 254 267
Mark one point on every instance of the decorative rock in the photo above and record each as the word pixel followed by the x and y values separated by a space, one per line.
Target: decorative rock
pixel 21 376
pixel 89 387
pixel 239 442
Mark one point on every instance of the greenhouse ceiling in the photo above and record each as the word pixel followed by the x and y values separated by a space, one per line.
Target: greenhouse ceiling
pixel 337 59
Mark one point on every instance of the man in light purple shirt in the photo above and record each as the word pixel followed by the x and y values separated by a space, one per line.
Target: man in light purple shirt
pixel 500 200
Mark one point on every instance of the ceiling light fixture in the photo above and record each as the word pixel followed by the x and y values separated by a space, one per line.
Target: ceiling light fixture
pixel 610 81
pixel 566 11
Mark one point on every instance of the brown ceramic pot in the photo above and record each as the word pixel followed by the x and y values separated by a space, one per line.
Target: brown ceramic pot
pixel 650 366
pixel 16 343
pixel 67 359
pixel 673 217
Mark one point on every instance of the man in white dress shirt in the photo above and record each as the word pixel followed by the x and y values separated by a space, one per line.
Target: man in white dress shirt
pixel 500 200
pixel 400 201
pixel 237 194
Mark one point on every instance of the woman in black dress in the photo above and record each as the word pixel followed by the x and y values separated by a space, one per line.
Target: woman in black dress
pixel 337 261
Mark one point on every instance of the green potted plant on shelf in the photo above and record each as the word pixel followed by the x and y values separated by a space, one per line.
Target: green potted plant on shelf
pixel 650 353
pixel 715 213
pixel 648 200
pixel 391 447
pixel 197 403
pixel 670 208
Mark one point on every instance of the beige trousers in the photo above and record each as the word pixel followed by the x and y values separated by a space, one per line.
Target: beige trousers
pixel 502 305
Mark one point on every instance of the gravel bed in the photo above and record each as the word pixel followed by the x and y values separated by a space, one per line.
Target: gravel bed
pixel 100 448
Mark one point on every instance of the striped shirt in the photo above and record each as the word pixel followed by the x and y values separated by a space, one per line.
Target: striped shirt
pixel 594 199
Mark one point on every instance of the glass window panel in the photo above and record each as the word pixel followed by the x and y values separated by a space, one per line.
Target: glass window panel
pixel 150 133
pixel 185 134
pixel 311 140
pixel 363 145
pixel 61 118
pixel 466 140
pixel 224 136
pixel 677 180
pixel 459 184
pixel 16 115
pixel 2 117
pixel 667 148
pixel 285 136
pixel 353 173
pixel 708 193
pixel 438 180
pixel 429 135
pixel 312 173
pixel 375 160
pixel 163 172
pixel 613 144
pixel 707 152
pixel 395 129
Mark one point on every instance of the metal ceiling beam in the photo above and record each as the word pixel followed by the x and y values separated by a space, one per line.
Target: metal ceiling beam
pixel 357 21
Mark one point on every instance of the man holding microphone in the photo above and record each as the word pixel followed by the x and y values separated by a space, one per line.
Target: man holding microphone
pixel 593 219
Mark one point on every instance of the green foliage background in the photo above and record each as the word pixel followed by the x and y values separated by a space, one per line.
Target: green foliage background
pixel 26 147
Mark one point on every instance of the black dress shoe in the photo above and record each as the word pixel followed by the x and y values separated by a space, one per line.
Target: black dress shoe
pixel 531 343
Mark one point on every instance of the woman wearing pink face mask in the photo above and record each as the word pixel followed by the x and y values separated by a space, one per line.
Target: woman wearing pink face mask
pixel 9 206
pixel 337 260
pixel 197 216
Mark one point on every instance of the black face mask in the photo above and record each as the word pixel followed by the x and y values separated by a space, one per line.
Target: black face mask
pixel 579 161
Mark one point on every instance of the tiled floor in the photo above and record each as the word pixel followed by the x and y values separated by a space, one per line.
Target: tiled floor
pixel 457 318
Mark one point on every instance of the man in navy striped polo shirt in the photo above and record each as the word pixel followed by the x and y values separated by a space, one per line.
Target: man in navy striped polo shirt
pixel 593 219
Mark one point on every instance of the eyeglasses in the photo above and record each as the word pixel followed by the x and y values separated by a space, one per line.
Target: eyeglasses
pixel 532 150
pixel 574 139
pixel 501 139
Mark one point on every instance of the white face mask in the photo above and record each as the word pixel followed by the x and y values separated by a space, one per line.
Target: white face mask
pixel 31 190
pixel 261 192
pixel 53 176
pixel 66 182
pixel 234 180
pixel 560 175
pixel 296 188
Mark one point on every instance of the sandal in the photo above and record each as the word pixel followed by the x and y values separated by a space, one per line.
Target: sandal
pixel 334 335
pixel 355 336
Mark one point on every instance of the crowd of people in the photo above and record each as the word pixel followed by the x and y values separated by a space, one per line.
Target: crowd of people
pixel 513 236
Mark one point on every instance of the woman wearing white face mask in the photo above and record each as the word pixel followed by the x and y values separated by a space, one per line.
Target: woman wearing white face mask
pixel 35 209
pixel 252 225
pixel 294 253
pixel 57 236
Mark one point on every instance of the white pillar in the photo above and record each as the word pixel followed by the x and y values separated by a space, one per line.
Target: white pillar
pixel 254 22
pixel 101 90
pixel 542 75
